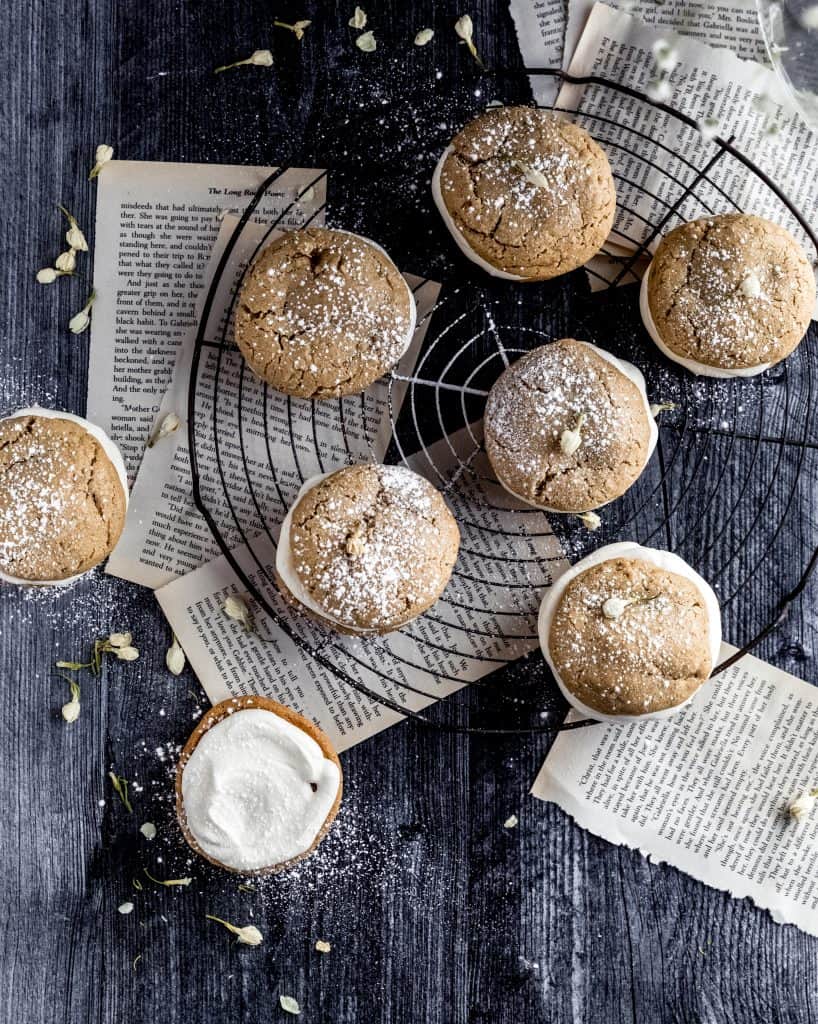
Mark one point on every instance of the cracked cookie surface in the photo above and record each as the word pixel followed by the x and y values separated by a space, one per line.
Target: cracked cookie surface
pixel 732 291
pixel 653 656
pixel 544 393
pixel 531 195
pixel 323 313
pixel 62 505
pixel 373 546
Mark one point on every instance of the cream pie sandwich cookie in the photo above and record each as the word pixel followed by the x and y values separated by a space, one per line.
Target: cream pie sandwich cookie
pixel 728 296
pixel 63 497
pixel 568 427
pixel 366 549
pixel 257 786
pixel 630 633
pixel 525 196
pixel 323 313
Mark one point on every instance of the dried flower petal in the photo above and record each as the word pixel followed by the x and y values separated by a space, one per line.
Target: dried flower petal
pixel 66 261
pixel 235 608
pixel 120 639
pixel 802 806
pixel 175 658
pixel 120 785
pixel 590 519
pixel 169 425
pixel 464 28
pixel 751 286
pixel 104 154
pixel 512 821
pixel 297 28
pixel 80 321
pixel 424 36
pixel 662 407
pixel 127 653
pixel 249 934
pixel 532 175
pixel 570 440
pixel 148 830
pixel 366 42
pixel 665 55
pixel 289 1005
pixel 358 19
pixel 48 275
pixel 74 237
pixel 261 58
pixel 71 710
pixel 614 607
pixel 125 908
pixel 322 947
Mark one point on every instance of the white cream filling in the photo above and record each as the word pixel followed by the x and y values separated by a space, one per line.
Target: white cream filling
pixel 413 310
pixel 285 567
pixel 700 369
pixel 455 232
pixel 248 794
pixel 632 373
pixel 110 450
pixel 662 559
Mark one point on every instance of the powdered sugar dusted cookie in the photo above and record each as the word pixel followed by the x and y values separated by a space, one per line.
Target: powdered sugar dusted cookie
pixel 728 296
pixel 630 633
pixel 525 195
pixel 63 496
pixel 568 427
pixel 323 313
pixel 367 548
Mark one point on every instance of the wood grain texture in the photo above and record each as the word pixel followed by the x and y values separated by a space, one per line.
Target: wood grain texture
pixel 435 912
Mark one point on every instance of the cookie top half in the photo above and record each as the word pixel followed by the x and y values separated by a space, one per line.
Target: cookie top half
pixel 733 292
pixel 528 194
pixel 323 313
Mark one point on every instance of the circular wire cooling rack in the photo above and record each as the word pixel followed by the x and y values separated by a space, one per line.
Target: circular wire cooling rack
pixel 723 489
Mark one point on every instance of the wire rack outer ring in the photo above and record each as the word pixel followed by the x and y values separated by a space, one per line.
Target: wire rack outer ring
pixel 219 531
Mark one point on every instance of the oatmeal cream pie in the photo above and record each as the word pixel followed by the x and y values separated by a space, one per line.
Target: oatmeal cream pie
pixel 323 313
pixel 525 196
pixel 63 496
pixel 257 786
pixel 367 548
pixel 728 296
pixel 630 633
pixel 568 427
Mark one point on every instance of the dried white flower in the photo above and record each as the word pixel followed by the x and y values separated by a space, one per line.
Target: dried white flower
pixel 424 36
pixel 79 321
pixel 751 286
pixel 289 1005
pixel 662 407
pixel 531 174
pixel 175 657
pixel 358 19
pixel 120 639
pixel 103 155
pixel 665 55
pixel 366 42
pixel 614 607
pixel 590 519
pixel 249 934
pixel 297 28
pixel 71 710
pixel 74 237
pixel 464 28
pixel 125 908
pixel 236 608
pixel 261 58
pixel 148 830
pixel 801 806
pixel 570 440
pixel 512 821
pixel 708 127
pixel 48 275
pixel 322 947
pixel 66 261
pixel 658 90
pixel 169 425
pixel 127 653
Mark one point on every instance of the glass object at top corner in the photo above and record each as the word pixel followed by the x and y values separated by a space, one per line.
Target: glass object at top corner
pixel 790 29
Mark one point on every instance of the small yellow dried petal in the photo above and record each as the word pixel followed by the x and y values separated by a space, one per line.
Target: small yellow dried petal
pixel 366 42
pixel 322 947
pixel 120 639
pixel 424 36
pixel 358 19
pixel 66 261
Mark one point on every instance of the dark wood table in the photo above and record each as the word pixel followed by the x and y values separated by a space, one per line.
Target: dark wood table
pixel 435 912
